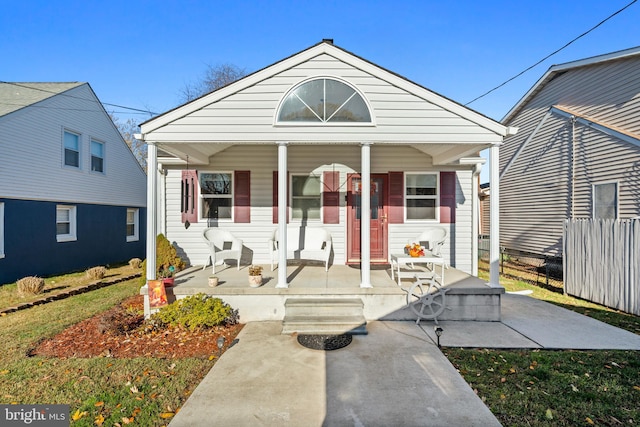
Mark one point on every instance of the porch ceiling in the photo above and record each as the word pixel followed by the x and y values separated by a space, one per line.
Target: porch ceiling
pixel 199 153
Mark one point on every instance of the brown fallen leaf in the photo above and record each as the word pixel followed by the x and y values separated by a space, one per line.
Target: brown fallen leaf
pixel 98 404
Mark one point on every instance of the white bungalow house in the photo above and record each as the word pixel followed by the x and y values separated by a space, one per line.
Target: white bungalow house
pixel 292 145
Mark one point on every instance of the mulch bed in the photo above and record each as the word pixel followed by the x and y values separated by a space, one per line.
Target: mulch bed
pixel 122 333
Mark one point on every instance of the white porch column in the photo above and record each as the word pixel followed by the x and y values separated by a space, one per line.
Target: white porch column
pixel 282 215
pixel 365 218
pixel 152 206
pixel 494 217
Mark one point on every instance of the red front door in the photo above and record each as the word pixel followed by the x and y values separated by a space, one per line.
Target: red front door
pixel 378 231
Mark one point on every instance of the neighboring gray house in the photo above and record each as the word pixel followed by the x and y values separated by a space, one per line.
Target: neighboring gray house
pixel 72 195
pixel 576 154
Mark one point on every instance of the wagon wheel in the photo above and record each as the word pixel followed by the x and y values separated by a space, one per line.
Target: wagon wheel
pixel 426 300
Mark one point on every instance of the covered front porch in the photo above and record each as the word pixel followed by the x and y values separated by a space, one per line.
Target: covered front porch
pixel 467 296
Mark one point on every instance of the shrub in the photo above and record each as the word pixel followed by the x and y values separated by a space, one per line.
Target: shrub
pixel 96 273
pixel 195 312
pixel 30 285
pixel 135 263
pixel 166 256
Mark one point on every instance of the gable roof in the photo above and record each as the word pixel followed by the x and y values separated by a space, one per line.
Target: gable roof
pixel 555 70
pixel 324 47
pixel 14 96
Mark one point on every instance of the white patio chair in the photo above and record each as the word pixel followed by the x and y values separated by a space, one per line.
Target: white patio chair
pixel 433 238
pixel 222 246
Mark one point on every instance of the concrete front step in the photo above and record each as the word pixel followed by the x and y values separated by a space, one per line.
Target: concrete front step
pixel 324 316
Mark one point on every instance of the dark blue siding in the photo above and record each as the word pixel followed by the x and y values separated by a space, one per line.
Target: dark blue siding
pixel 31 248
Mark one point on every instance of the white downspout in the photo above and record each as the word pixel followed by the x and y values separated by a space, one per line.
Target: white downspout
pixel 365 218
pixel 282 215
pixel 494 217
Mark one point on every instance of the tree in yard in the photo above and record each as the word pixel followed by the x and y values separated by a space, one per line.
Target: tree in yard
pixel 214 78
pixel 127 130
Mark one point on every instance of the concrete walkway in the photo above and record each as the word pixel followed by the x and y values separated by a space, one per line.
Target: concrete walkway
pixel 394 376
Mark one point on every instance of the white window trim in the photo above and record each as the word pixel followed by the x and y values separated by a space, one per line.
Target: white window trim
pixel 136 224
pixel 593 199
pixel 104 156
pixel 201 197
pixel 79 135
pixel 276 122
pixel 300 220
pixel 72 236
pixel 1 230
pixel 436 197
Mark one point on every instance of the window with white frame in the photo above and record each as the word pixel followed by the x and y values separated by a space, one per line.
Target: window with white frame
pixel 605 200
pixel 65 223
pixel 133 225
pixel 305 197
pixel 216 194
pixel 1 230
pixel 71 149
pixel 97 156
pixel 421 196
pixel 324 100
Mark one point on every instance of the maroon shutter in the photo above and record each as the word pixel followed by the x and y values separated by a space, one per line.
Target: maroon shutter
pixel 396 197
pixel 188 202
pixel 447 197
pixel 242 197
pixel 331 197
pixel 275 197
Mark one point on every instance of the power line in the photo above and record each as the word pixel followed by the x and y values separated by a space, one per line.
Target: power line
pixel 151 113
pixel 551 54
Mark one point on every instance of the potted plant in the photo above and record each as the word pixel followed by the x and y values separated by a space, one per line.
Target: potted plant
pixel 415 250
pixel 255 276
pixel 213 281
pixel 166 275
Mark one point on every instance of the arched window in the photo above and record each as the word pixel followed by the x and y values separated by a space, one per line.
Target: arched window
pixel 324 100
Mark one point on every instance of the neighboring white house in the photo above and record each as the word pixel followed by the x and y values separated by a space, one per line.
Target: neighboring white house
pixel 297 141
pixel 577 152
pixel 72 195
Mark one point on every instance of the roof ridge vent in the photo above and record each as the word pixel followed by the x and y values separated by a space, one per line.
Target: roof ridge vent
pixel 330 41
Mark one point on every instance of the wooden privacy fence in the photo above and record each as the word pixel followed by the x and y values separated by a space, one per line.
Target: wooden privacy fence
pixel 602 262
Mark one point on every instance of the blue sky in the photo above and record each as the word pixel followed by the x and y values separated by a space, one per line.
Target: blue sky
pixel 141 53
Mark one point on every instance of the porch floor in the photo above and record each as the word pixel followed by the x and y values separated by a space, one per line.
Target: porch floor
pixel 468 297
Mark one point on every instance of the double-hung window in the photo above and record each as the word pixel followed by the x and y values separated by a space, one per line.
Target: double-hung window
pixel 133 225
pixel 421 196
pixel 65 223
pixel 305 197
pixel 216 193
pixel 97 156
pixel 605 200
pixel 71 149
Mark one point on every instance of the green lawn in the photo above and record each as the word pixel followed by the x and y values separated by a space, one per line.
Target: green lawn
pixel 557 388
pixel 99 390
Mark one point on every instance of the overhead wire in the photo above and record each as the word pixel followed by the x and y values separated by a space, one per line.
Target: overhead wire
pixel 551 54
pixel 26 86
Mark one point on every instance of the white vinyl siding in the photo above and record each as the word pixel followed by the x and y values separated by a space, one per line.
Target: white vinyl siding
pixel 248 116
pixel 1 230
pixel 133 225
pixel 33 168
pixel 66 223
pixel 303 159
